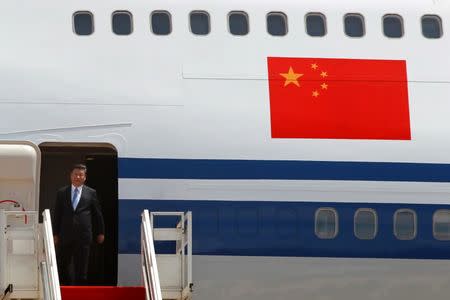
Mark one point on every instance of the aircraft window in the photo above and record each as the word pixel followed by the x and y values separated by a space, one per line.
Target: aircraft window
pixel 161 23
pixel 326 223
pixel 238 23
pixel 277 24
pixel 200 22
pixel 393 26
pixel 405 224
pixel 83 23
pixel 354 25
pixel 315 24
pixel 365 224
pixel 431 26
pixel 441 224
pixel 122 23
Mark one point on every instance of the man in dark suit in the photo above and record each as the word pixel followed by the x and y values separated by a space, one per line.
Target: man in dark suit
pixel 76 209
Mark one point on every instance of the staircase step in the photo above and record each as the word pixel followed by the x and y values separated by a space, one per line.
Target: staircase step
pixel 102 293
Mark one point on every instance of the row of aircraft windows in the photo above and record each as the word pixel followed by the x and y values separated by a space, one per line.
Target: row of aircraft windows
pixel 366 224
pixel 238 24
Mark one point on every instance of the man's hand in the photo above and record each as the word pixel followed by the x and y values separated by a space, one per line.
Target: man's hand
pixel 100 238
pixel 56 239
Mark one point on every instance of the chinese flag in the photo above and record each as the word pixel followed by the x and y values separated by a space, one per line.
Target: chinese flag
pixel 327 98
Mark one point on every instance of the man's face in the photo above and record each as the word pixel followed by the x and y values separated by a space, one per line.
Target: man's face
pixel 78 177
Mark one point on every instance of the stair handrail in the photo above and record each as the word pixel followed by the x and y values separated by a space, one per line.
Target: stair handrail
pixel 45 281
pixel 149 266
pixel 50 265
pixel 188 283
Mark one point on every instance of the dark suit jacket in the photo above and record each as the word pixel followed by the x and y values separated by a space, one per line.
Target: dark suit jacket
pixel 76 226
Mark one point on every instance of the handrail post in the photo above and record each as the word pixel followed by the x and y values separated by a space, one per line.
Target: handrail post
pixel 45 282
pixel 176 286
pixel 189 241
pixel 149 266
pixel 51 268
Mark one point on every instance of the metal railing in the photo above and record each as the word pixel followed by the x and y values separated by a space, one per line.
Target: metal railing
pixel 176 276
pixel 19 255
pixel 49 268
pixel 7 292
pixel 149 267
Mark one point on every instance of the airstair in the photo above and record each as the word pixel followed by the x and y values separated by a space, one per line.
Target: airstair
pixel 169 275
pixel 28 266
pixel 166 276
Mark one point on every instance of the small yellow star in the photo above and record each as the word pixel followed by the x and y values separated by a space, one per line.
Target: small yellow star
pixel 324 86
pixel 314 66
pixel 291 77
pixel 324 74
pixel 315 94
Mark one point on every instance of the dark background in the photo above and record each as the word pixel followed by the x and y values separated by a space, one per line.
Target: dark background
pixel 101 162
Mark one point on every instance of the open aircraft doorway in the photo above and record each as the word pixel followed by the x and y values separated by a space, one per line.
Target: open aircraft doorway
pixel 101 162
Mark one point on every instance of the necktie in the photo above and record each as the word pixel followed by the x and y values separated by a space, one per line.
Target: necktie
pixel 74 198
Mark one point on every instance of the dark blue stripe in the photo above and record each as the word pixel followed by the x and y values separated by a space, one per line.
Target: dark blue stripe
pixel 281 170
pixel 250 228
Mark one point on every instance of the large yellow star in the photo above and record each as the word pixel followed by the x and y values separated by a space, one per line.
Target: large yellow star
pixel 291 77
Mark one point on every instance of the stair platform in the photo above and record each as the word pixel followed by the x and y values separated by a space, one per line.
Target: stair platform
pixel 102 293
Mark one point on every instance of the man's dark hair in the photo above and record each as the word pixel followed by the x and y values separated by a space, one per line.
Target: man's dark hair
pixel 79 167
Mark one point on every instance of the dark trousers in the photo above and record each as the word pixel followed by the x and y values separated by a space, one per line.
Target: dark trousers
pixel 73 261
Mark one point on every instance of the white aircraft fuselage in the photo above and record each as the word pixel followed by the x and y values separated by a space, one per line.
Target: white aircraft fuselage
pixel 190 118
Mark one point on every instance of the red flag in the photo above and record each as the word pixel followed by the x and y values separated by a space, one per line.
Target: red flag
pixel 328 98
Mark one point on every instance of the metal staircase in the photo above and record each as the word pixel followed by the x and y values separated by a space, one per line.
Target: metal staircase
pixel 28 267
pixel 27 257
pixel 167 276
pixel 19 254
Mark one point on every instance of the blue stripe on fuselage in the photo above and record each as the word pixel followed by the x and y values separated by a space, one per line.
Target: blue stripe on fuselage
pixel 258 228
pixel 281 170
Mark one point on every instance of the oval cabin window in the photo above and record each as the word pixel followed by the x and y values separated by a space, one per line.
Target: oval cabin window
pixel 441 225
pixel 122 23
pixel 277 24
pixel 315 24
pixel 354 25
pixel 365 224
pixel 200 24
pixel 393 26
pixel 83 23
pixel 405 224
pixel 161 23
pixel 431 26
pixel 238 23
pixel 326 223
